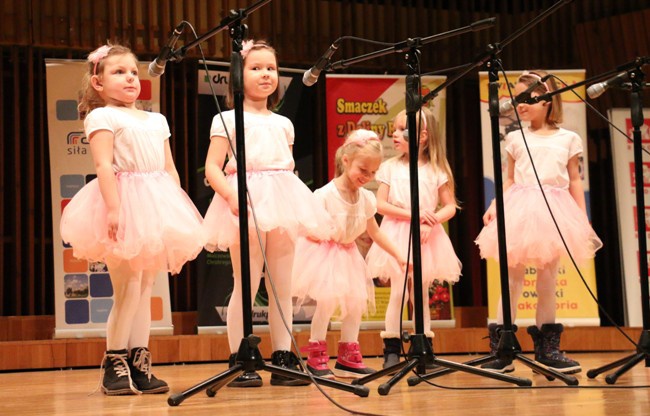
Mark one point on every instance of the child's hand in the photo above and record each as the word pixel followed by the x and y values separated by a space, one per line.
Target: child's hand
pixel 425 232
pixel 113 218
pixel 428 216
pixel 233 203
pixel 402 263
pixel 490 214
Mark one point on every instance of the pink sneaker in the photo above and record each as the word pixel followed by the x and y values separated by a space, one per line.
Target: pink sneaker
pixel 317 359
pixel 349 363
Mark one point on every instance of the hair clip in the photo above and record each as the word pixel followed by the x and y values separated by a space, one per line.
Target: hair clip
pixel 97 55
pixel 246 47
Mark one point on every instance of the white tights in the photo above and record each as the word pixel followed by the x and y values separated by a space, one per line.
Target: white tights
pixel 545 285
pixel 279 254
pixel 129 322
pixel 394 311
pixel 350 323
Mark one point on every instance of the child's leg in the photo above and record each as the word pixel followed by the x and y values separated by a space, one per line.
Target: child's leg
pixel 351 322
pixel 516 283
pixel 279 255
pixel 320 321
pixel 546 333
pixel 394 307
pixel 141 328
pixel 234 320
pixel 139 355
pixel 126 289
pixel 546 301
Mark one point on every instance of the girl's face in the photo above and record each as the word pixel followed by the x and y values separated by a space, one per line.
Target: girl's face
pixel 361 169
pixel 260 74
pixel 400 142
pixel 118 84
pixel 534 113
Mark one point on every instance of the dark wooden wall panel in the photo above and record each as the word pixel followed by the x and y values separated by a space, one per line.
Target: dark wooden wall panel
pixel 596 35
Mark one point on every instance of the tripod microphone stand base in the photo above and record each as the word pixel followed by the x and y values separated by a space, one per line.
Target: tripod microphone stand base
pixel 509 350
pixel 626 363
pixel 421 353
pixel 249 359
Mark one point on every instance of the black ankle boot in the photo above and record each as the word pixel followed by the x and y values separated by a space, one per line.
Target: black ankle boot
pixel 246 379
pixel 140 367
pixel 500 365
pixel 288 360
pixel 117 377
pixel 392 351
pixel 547 349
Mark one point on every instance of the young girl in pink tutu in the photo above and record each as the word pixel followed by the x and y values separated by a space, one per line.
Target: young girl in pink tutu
pixel 531 236
pixel 437 205
pixel 333 272
pixel 134 216
pixel 283 205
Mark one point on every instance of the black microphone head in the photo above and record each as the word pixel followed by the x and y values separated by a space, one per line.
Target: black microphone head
pixel 156 70
pixel 309 78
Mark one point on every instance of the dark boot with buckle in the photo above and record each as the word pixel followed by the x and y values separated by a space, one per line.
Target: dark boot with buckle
pixel 117 377
pixel 547 349
pixel 288 360
pixel 246 379
pixel 140 367
pixel 500 365
pixel 392 348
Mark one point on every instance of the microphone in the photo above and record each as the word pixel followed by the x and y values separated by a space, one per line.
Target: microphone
pixel 311 75
pixel 597 90
pixel 508 106
pixel 157 67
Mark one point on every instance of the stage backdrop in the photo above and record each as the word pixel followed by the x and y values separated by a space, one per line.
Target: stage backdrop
pixel 215 279
pixel 574 305
pixel 623 154
pixel 83 297
pixel 372 102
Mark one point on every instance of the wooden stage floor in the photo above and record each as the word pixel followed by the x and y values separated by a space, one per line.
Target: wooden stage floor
pixel 66 392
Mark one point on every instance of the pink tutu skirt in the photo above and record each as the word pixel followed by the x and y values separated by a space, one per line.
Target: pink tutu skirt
pixel 439 260
pixel 531 235
pixel 159 227
pixel 280 200
pixel 332 274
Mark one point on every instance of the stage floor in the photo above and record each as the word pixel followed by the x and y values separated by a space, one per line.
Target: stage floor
pixel 66 392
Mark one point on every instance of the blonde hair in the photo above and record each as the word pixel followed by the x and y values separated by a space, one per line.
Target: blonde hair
pixel 357 142
pixel 273 99
pixel 90 98
pixel 554 111
pixel 435 147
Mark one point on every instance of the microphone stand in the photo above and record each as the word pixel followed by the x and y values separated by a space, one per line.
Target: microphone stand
pixel 643 347
pixel 248 356
pixel 508 348
pixel 420 351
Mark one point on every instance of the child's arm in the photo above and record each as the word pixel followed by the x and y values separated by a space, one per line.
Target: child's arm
pixel 170 167
pixel 446 212
pixel 101 148
pixel 575 183
pixel 386 208
pixel 213 172
pixel 491 212
pixel 383 241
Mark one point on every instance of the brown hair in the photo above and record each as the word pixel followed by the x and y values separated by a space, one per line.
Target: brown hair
pixel 90 98
pixel 554 111
pixel 273 99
